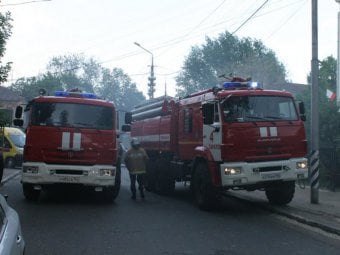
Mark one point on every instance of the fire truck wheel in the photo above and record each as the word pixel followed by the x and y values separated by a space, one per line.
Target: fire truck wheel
pixel 281 194
pixel 110 193
pixel 1 167
pixel 165 183
pixel 150 178
pixel 30 193
pixel 116 188
pixel 206 196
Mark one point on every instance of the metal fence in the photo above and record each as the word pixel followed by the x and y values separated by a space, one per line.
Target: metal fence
pixel 330 167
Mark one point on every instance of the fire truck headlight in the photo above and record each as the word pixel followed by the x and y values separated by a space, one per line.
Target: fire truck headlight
pixel 301 165
pixel 106 172
pixel 232 170
pixel 30 169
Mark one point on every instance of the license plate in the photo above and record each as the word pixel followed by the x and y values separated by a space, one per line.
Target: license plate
pixel 69 179
pixel 271 176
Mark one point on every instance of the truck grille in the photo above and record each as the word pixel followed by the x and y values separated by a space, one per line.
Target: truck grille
pixel 69 172
pixel 267 169
pixel 18 160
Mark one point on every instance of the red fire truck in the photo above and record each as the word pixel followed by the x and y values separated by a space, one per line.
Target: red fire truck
pixel 71 139
pixel 235 137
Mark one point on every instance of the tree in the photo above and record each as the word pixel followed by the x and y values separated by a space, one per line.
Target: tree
pixel 75 71
pixel 5 33
pixel 63 73
pixel 5 118
pixel 116 86
pixel 228 55
pixel 29 87
pixel 329 117
pixel 328 110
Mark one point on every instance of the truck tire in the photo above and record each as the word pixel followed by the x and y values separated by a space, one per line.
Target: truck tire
pixel 30 193
pixel 206 195
pixel 111 193
pixel 280 194
pixel 107 195
pixel 116 188
pixel 150 177
pixel 165 183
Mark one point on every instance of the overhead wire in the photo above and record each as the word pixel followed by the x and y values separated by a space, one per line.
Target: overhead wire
pixel 175 40
pixel 181 39
pixel 22 3
pixel 170 42
pixel 204 19
pixel 147 26
pixel 185 37
pixel 250 17
pixel 288 19
pixel 162 45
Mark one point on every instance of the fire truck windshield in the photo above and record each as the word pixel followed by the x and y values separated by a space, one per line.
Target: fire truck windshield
pixel 258 108
pixel 72 115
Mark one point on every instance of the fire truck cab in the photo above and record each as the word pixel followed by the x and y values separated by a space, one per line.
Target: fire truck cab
pixel 71 139
pixel 238 136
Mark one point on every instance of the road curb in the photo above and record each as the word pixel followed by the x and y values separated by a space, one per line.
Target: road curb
pixel 277 210
pixel 9 177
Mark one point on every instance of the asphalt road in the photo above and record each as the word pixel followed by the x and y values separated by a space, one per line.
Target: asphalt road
pixel 73 223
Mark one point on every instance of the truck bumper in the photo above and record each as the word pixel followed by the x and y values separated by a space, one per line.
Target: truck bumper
pixel 45 174
pixel 244 173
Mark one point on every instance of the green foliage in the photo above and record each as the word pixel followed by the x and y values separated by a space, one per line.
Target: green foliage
pixel 29 87
pixel 5 117
pixel 116 86
pixel 329 119
pixel 228 55
pixel 5 33
pixel 76 71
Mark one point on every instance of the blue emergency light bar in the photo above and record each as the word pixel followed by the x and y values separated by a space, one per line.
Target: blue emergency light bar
pixel 242 85
pixel 74 94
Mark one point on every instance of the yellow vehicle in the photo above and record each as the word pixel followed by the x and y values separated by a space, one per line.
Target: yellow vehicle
pixel 12 141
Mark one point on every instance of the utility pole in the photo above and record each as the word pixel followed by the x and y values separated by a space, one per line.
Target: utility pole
pixel 314 155
pixel 152 77
pixel 338 62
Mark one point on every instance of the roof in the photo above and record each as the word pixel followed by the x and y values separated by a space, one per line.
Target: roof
pixel 8 95
pixel 294 88
pixel 13 130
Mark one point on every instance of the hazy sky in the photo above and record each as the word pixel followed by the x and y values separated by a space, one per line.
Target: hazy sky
pixel 107 29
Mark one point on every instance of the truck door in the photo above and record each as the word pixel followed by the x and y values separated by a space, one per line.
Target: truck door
pixel 212 133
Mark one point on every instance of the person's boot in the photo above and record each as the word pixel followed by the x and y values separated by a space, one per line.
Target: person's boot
pixel 133 196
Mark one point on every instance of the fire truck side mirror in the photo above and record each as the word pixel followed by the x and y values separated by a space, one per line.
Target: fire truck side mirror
pixel 208 113
pixel 18 122
pixel 18 112
pixel 302 111
pixel 128 118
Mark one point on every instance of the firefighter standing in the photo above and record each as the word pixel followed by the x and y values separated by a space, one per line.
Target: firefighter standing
pixel 135 161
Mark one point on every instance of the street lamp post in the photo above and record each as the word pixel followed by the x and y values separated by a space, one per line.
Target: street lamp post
pixel 152 77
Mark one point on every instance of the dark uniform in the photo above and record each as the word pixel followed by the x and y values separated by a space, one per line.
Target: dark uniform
pixel 135 161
